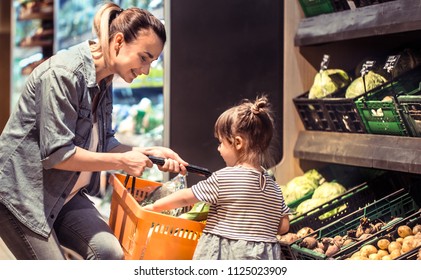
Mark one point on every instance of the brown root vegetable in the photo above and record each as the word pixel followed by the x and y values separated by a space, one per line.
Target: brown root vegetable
pixel 333 249
pixel 339 240
pixel 309 242
pixel 303 232
pixel 364 236
pixel 416 229
pixel 319 250
pixel 289 237
pixel 383 243
pixel 404 231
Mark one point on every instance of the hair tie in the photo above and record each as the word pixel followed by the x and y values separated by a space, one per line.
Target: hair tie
pixel 255 109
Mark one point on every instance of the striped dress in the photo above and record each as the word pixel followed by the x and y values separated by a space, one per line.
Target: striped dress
pixel 245 206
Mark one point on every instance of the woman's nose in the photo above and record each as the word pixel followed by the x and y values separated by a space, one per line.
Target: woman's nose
pixel 145 69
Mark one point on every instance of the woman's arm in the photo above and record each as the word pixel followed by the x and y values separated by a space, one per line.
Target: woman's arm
pixel 132 160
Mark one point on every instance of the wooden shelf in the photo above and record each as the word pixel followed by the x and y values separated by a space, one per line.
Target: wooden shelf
pixel 376 20
pixel 365 150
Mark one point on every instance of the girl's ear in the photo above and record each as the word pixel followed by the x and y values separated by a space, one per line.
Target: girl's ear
pixel 238 143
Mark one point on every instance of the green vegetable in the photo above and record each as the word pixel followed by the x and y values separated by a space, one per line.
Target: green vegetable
pixel 372 80
pixel 327 82
pixel 308 205
pixel 329 190
pixel 199 212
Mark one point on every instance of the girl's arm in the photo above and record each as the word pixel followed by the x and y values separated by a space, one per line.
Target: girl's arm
pixel 181 198
pixel 283 225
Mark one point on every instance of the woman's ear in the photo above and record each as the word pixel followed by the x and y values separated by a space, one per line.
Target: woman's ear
pixel 118 41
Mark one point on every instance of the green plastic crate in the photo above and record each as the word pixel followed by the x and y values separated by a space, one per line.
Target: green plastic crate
pixel 397 204
pixel 353 199
pixel 411 111
pixel 316 7
pixel 395 116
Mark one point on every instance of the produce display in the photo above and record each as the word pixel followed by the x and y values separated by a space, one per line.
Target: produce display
pixel 398 242
pixel 356 228
pixel 327 82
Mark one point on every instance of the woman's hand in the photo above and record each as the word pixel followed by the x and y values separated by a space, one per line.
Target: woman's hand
pixel 173 162
pixel 135 162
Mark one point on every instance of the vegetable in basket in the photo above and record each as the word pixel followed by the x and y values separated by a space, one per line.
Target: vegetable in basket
pixel 327 82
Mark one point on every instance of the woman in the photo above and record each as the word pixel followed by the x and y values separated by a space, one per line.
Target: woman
pixel 59 137
pixel 247 209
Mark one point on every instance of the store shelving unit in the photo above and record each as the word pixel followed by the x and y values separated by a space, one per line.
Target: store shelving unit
pixel 34 32
pixel 353 35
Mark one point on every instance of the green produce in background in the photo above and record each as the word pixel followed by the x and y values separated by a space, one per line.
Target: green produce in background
pixel 327 82
pixel 372 80
pixel 325 192
pixel 329 190
pixel 301 186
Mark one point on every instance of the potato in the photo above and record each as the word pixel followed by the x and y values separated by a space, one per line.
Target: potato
pixel 393 246
pixel 382 252
pixel 416 229
pixel 367 250
pixel 395 253
pixel 404 231
pixel 383 243
pixel 387 257
pixel 374 256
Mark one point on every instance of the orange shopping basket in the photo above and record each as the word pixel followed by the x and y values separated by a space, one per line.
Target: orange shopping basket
pixel 146 235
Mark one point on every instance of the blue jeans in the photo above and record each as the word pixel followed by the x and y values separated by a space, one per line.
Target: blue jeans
pixel 79 227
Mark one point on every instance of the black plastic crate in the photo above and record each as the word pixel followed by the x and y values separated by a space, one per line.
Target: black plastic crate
pixel 343 113
pixel 312 113
pixel 397 204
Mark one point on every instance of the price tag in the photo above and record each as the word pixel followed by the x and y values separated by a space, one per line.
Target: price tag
pixel 325 62
pixel 364 70
pixel 366 67
pixel 391 62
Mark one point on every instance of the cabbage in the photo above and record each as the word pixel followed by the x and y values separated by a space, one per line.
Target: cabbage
pixel 309 204
pixel 329 190
pixel 327 82
pixel 372 80
pixel 299 187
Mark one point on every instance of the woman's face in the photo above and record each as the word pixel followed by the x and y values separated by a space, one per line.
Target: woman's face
pixel 130 60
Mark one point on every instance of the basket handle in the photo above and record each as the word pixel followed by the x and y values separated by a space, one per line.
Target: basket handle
pixel 190 168
pixel 126 180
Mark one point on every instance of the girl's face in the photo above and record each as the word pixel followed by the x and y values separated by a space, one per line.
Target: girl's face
pixel 133 59
pixel 228 152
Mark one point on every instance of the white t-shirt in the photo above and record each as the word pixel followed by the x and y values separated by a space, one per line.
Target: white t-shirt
pixel 85 176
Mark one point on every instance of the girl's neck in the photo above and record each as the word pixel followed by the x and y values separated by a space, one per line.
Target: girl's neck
pixel 250 166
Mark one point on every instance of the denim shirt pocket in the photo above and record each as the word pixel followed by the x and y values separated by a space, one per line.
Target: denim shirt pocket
pixel 83 127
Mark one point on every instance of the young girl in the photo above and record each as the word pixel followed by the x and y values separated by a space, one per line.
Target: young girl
pixel 247 209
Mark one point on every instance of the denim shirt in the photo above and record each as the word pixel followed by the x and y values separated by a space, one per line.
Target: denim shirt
pixel 53 116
